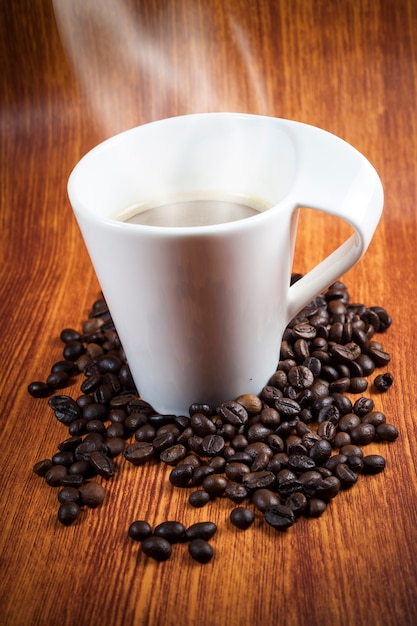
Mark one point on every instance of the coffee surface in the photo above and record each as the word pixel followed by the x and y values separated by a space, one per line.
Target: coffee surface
pixel 198 212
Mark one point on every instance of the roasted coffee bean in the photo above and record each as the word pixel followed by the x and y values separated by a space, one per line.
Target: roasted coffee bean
pixel 373 464
pixel 96 426
pixel 305 331
pixel 327 430
pixel 102 464
pixel 205 409
pixel 92 494
pixel 386 432
pixel 384 381
pixel 355 463
pixel 69 334
pixel 316 507
pixel 73 350
pixel 181 475
pixel 39 389
pixel 348 422
pixel 258 480
pixel 214 485
pixel 202 425
pixel 236 492
pixel 300 462
pixel 233 413
pixel 320 451
pixel 68 512
pixel 84 450
pixel 94 411
pixel 363 406
pixel 64 457
pixel 334 461
pixel 115 429
pixel 351 450
pixel 138 453
pixel 297 502
pixel 379 357
pixel 199 498
pixel 212 445
pixel 328 488
pixel 69 494
pixel 54 476
pixel 264 499
pixel 172 531
pixel 201 472
pixel 362 434
pixel 70 443
pixel 42 467
pixel 242 517
pixel 250 402
pixel 341 385
pixel 139 530
pixel 58 380
pixel 346 475
pixel 279 516
pixel 345 353
pixel 157 548
pixel 341 439
pixel 146 432
pixel 200 550
pixel 174 454
pixel 358 384
pixel 235 471
pixel 309 481
pixel 65 408
pixel 115 446
pixel 278 380
pixel 103 394
pixel 72 480
pixel 286 407
pixel 300 377
pixel 385 319
pixel 200 530
pixel 218 463
pixel 81 467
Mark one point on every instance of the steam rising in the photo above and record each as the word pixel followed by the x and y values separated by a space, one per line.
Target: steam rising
pixel 134 66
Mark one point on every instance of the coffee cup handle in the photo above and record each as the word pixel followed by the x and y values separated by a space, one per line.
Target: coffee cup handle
pixel 333 177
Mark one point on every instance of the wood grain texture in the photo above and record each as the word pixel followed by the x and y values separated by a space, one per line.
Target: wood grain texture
pixel 349 67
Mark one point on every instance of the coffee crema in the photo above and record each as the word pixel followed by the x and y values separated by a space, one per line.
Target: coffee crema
pixel 202 211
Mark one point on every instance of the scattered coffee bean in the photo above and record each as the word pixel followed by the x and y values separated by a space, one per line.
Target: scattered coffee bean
pixel 199 498
pixel 157 548
pixel 200 530
pixel 386 432
pixel 279 516
pixel 68 512
pixel 172 531
pixel 242 518
pixel 39 389
pixel 383 382
pixel 373 464
pixel 92 494
pixel 69 494
pixel 200 550
pixel 139 530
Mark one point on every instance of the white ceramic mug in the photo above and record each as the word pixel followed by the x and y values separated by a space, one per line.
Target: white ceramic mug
pixel 200 310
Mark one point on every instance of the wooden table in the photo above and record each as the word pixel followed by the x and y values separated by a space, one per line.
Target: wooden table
pixel 348 66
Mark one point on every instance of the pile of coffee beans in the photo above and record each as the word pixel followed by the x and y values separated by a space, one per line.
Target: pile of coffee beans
pixel 286 452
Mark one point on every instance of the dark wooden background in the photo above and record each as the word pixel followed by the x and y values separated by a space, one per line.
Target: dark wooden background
pixel 348 66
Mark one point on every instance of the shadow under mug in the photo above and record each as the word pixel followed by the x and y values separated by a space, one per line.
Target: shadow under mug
pixel 200 309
